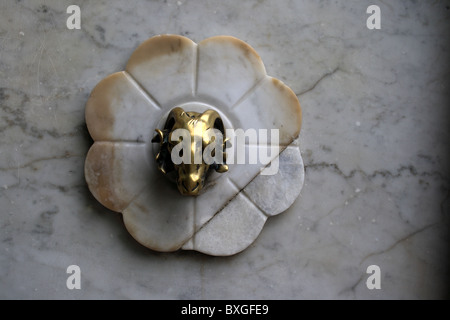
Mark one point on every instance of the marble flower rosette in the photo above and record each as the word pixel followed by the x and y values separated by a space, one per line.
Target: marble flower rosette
pixel 220 73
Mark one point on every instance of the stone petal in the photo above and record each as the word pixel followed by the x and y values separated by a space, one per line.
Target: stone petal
pixel 119 110
pixel 160 218
pixel 214 197
pixel 242 174
pixel 164 66
pixel 230 231
pixel 115 172
pixel 271 105
pixel 275 193
pixel 227 69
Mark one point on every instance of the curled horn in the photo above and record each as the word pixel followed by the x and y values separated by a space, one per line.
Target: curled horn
pixel 159 137
pixel 212 117
pixel 162 136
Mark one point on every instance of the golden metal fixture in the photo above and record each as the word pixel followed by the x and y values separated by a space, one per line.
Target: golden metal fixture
pixel 195 139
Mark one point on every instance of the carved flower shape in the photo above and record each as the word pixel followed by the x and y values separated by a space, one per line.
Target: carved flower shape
pixel 221 73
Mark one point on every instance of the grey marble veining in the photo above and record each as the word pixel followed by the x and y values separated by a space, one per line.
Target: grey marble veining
pixel 374 142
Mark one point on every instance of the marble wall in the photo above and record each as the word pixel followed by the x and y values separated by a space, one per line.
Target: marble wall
pixel 374 142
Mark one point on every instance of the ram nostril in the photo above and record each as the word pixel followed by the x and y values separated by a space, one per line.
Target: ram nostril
pixel 185 187
pixel 196 186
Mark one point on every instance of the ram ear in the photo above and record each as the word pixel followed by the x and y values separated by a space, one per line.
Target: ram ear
pixel 221 168
pixel 176 115
pixel 159 138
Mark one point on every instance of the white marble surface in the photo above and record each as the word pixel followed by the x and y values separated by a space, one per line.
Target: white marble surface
pixel 374 141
